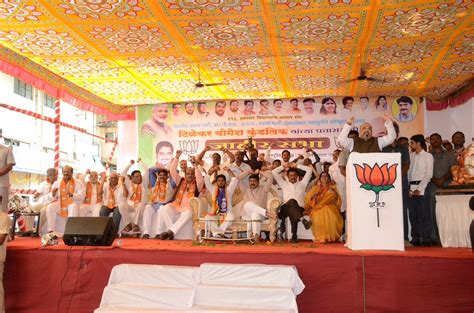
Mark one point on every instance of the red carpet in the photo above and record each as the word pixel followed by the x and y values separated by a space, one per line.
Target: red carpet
pixel 61 279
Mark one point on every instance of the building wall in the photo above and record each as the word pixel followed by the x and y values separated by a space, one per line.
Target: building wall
pixel 35 152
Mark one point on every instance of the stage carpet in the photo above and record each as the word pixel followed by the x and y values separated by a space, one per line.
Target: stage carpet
pixel 431 280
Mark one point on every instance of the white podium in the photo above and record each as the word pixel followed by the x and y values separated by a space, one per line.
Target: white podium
pixel 374 202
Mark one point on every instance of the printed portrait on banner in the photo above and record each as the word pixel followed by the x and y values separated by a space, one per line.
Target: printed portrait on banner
pixel 312 122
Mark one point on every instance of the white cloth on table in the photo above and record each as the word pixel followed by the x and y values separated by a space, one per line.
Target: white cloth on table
pixel 454 219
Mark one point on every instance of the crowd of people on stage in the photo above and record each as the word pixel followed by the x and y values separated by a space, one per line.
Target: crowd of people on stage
pixel 305 185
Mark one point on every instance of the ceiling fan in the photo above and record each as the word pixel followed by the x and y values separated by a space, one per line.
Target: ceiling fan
pixel 200 84
pixel 363 77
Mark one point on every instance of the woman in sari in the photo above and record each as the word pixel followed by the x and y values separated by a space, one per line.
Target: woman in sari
pixel 322 204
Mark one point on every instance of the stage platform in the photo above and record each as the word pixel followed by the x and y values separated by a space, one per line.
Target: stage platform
pixel 71 279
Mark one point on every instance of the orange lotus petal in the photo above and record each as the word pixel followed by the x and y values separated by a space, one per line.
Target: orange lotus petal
pixel 360 174
pixel 385 173
pixel 376 177
pixel 367 171
pixel 392 170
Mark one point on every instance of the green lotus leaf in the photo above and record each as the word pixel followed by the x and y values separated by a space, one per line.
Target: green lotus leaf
pixel 366 186
pixel 377 189
pixel 388 187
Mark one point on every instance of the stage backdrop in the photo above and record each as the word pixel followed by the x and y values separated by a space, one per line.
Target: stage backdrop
pixel 313 122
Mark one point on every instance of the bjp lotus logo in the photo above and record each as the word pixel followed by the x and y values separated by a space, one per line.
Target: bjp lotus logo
pixel 377 179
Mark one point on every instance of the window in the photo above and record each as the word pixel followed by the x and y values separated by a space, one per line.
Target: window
pixel 49 101
pixel 23 89
pixel 110 136
pixel 11 142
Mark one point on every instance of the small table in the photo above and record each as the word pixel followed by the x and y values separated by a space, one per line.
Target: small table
pixel 454 219
pixel 25 214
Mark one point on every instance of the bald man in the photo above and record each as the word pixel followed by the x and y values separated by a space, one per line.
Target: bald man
pixel 366 143
pixel 93 195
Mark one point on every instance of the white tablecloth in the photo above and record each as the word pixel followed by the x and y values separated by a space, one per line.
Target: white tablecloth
pixel 454 218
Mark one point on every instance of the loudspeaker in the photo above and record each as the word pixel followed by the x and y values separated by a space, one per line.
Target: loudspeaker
pixel 89 231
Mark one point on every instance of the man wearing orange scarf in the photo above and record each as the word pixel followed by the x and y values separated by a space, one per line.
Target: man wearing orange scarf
pixel 68 194
pixel 173 216
pixel 221 215
pixel 93 197
pixel 161 194
pixel 115 195
pixel 137 198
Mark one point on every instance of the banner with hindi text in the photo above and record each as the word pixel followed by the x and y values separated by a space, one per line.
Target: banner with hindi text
pixel 287 123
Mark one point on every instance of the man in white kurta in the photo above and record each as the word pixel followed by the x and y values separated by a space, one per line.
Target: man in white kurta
pixel 240 169
pixel 115 195
pixel 137 187
pixel 366 143
pixel 93 195
pixel 43 195
pixel 174 215
pixel 7 161
pixel 293 191
pixel 161 194
pixel 255 200
pixel 68 195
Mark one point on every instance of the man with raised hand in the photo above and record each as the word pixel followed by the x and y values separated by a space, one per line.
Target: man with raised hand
pixel 161 194
pixel 174 215
pixel 137 186
pixel 93 200
pixel 255 199
pixel 68 195
pixel 221 215
pixel 293 191
pixel 216 167
pixel 366 143
pixel 114 197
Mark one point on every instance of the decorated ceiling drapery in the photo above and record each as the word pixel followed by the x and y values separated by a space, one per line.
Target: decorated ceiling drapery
pixel 136 52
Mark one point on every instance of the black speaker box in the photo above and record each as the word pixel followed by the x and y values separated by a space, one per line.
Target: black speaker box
pixel 89 231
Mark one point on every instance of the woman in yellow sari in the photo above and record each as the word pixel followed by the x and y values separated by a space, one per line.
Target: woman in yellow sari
pixel 322 204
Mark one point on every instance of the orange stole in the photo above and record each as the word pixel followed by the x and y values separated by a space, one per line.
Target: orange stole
pixel 159 193
pixel 137 193
pixel 64 190
pixel 184 187
pixel 111 199
pixel 88 198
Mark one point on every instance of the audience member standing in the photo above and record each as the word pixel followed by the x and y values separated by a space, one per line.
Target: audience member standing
pixel 419 175
pixel 443 161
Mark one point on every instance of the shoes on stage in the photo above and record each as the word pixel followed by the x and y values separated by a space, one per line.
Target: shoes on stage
pixel 157 236
pixel 294 240
pixel 281 233
pixel 127 228
pixel 415 243
pixel 408 244
pixel 135 228
pixel 306 223
pixel 426 244
pixel 145 236
pixel 167 235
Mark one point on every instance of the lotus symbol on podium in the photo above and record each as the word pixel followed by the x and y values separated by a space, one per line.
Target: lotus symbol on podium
pixel 376 179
